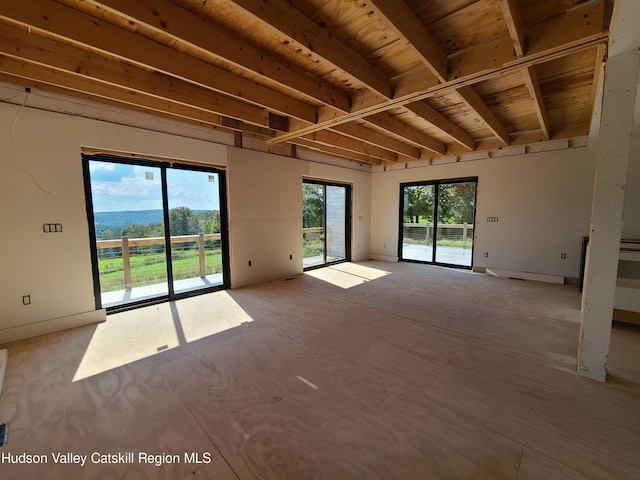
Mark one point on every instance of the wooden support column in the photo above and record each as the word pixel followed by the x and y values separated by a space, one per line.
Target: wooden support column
pixel 601 269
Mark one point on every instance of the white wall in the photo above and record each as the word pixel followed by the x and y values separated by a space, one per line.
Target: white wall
pixel 264 191
pixel 542 200
pixel 265 210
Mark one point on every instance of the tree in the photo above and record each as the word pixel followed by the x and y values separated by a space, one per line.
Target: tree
pixel 419 201
pixel 211 221
pixel 182 221
pixel 312 205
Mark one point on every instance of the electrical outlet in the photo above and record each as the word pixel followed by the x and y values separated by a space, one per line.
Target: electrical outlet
pixel 290 257
pixel 486 254
pixel 26 299
pixel 563 255
pixel 249 262
pixel 52 227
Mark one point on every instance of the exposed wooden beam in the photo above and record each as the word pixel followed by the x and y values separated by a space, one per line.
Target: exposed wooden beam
pixel 429 114
pixel 577 30
pixel 338 152
pixel 533 85
pixel 554 38
pixel 80 64
pixel 475 102
pixel 390 124
pixel 282 16
pixel 166 17
pixel 512 16
pixel 48 79
pixel 403 21
pixel 359 132
pixel 333 139
pixel 90 32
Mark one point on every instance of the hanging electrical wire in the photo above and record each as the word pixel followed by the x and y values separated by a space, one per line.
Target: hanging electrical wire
pixel 13 150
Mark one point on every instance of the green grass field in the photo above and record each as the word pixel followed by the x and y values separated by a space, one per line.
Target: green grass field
pixel 151 268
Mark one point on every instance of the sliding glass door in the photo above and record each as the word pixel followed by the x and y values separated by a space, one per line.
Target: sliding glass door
pixel 437 221
pixel 326 223
pixel 157 230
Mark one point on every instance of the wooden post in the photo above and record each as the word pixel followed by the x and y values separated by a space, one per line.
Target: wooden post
pixel 203 273
pixel 464 235
pixel 427 234
pixel 126 263
pixel 614 152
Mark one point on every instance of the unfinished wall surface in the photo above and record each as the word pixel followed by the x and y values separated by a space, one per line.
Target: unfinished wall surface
pixel 542 201
pixel 265 204
pixel 631 218
pixel 265 210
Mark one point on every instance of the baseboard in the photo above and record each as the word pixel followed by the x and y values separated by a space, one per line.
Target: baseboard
pixel 4 358
pixel 626 316
pixel 21 332
pixel 538 277
pixel 384 258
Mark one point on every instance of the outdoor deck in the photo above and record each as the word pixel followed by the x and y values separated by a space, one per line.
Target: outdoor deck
pixel 119 297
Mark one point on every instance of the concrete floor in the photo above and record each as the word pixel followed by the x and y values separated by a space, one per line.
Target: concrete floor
pixel 369 370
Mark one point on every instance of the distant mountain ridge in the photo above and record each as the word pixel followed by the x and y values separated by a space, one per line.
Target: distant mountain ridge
pixel 126 218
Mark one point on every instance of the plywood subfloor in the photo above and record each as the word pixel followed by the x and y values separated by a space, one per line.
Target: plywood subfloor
pixel 369 370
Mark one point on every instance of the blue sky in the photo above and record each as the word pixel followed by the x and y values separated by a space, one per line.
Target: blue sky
pixel 120 187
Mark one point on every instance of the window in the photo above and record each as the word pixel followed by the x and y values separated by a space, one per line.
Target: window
pixel 326 223
pixel 437 221
pixel 157 230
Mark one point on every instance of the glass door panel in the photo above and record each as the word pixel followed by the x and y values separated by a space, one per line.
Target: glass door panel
pixel 417 222
pixel 194 224
pixel 313 247
pixel 456 210
pixel 129 232
pixel 335 220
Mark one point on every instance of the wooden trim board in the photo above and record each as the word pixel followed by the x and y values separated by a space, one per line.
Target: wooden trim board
pixel 626 316
pixel 538 277
pixel 4 358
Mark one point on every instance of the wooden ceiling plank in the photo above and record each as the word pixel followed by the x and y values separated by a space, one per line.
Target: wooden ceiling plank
pixel 62 21
pixel 390 124
pixel 533 85
pixel 168 18
pixel 74 61
pixel 555 37
pixel 291 22
pixel 404 22
pixel 475 102
pixel 512 16
pixel 359 132
pixel 576 30
pixel 431 115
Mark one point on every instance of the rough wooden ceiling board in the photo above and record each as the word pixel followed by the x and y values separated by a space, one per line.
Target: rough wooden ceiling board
pixel 565 38
pixel 534 11
pixel 472 25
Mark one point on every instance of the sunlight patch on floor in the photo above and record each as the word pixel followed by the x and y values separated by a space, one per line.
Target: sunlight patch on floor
pixel 136 334
pixel 347 275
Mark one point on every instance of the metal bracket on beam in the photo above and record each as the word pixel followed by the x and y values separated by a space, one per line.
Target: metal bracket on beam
pixel 525 48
